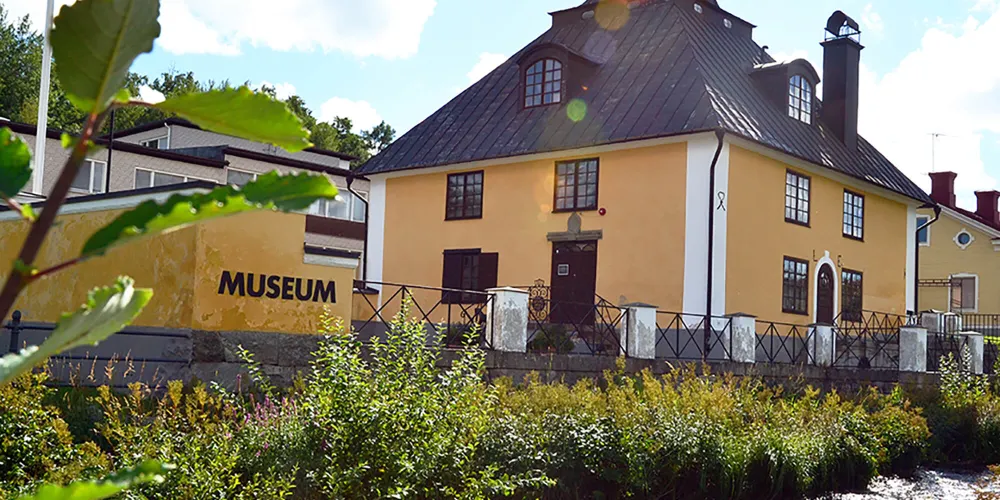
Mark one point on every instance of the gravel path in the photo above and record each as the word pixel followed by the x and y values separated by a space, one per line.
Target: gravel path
pixel 927 485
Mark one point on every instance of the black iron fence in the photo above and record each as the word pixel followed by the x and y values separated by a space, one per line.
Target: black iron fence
pixel 940 345
pixel 135 354
pixel 575 328
pixel 986 324
pixel 451 317
pixel 785 343
pixel 692 337
pixel 869 340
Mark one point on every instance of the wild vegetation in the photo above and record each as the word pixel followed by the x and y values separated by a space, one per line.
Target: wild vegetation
pixel 383 421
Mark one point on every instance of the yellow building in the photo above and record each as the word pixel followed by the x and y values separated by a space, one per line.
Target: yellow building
pixel 959 254
pixel 245 273
pixel 655 154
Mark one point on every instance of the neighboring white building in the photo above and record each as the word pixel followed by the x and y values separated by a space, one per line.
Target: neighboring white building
pixel 174 151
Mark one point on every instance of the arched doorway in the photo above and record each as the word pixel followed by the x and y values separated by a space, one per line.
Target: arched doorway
pixel 825 295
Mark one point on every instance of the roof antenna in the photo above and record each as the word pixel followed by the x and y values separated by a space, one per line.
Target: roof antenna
pixel 763 52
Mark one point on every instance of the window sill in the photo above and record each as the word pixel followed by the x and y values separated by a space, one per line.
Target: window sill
pixel 855 238
pixel 463 218
pixel 799 313
pixel 570 210
pixel 797 223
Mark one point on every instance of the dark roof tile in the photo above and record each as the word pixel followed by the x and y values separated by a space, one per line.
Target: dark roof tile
pixel 667 72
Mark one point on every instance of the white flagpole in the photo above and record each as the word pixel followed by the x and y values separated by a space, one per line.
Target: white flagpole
pixel 37 187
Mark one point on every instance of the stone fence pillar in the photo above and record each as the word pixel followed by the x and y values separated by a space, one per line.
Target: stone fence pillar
pixel 823 348
pixel 912 349
pixel 976 349
pixel 507 319
pixel 640 331
pixel 743 331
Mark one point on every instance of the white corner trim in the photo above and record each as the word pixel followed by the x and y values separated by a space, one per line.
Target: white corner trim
pixel 825 259
pixel 965 309
pixel 719 257
pixel 972 238
pixel 911 257
pixel 376 229
pixel 700 152
pixel 330 261
pixel 996 244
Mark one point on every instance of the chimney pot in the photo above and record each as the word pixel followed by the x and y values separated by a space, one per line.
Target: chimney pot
pixel 986 207
pixel 943 188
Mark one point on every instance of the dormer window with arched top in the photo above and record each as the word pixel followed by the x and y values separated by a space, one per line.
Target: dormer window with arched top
pixel 543 83
pixel 800 99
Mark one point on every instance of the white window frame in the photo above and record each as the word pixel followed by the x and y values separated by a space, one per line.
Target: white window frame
pixel 152 176
pixel 230 169
pixel 972 238
pixel 975 277
pixel 350 200
pixel 165 137
pixel 927 218
pixel 104 166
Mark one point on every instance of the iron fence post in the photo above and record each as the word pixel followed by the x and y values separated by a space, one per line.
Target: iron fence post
pixel 15 330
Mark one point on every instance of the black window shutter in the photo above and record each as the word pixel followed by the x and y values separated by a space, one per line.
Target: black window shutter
pixel 488 263
pixel 452 278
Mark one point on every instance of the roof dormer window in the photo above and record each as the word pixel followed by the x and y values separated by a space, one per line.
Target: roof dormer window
pixel 543 83
pixel 800 99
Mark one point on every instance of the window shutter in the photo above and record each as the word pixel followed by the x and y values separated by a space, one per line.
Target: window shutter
pixel 452 278
pixel 488 263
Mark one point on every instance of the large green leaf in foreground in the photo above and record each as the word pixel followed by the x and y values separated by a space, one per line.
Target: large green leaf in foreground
pixel 95 43
pixel 107 311
pixel 149 471
pixel 271 191
pixel 15 163
pixel 242 113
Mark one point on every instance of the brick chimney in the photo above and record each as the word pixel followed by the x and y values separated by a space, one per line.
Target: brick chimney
pixel 943 188
pixel 986 207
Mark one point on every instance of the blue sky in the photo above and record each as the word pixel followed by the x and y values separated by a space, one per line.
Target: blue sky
pixel 399 60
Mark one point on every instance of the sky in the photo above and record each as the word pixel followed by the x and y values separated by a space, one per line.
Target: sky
pixel 930 92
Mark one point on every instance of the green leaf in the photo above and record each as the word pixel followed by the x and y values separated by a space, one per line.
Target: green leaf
pixel 28 212
pixel 242 113
pixel 106 311
pixel 270 191
pixel 95 42
pixel 15 164
pixel 150 471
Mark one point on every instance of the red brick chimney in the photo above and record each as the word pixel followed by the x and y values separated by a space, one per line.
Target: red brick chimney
pixel 943 188
pixel 986 207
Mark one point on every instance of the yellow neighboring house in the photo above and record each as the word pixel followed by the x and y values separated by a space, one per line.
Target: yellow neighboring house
pixel 959 255
pixel 653 154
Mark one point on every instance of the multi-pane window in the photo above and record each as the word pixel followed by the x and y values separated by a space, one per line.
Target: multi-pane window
pixel 924 235
pixel 963 293
pixel 149 178
pixel 795 286
pixel 158 143
pixel 239 178
pixel 90 177
pixel 468 271
pixel 346 206
pixel 576 185
pixel 543 83
pixel 854 215
pixel 851 293
pixel 796 198
pixel 465 196
pixel 800 99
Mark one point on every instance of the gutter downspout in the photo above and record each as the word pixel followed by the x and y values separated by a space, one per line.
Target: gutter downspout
pixel 111 148
pixel 719 134
pixel 916 255
pixel 364 251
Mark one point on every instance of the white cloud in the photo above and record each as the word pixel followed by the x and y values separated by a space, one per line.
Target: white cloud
pixel 871 21
pixel 363 116
pixel 942 87
pixel 381 28
pixel 488 61
pixel 985 6
pixel 281 90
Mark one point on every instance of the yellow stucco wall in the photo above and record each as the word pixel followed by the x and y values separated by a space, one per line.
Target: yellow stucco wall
pixel 184 269
pixel 641 256
pixel 166 262
pixel 944 258
pixel 758 239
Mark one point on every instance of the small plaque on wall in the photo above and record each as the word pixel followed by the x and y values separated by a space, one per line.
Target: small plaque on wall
pixel 562 270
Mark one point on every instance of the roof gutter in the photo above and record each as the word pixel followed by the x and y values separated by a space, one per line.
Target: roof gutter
pixel 720 135
pixel 916 253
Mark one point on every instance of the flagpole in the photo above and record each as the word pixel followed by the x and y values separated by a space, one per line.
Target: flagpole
pixel 37 186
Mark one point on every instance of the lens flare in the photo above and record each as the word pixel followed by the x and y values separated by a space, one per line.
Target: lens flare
pixel 611 14
pixel 576 110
